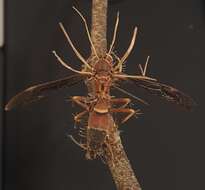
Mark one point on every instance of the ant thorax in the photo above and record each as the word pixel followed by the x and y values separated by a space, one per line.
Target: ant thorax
pixel 100 82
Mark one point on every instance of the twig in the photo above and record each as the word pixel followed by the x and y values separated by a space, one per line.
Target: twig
pixel 118 163
pixel 99 26
pixel 120 167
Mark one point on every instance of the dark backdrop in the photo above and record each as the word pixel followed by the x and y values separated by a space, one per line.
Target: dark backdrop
pixel 1 114
pixel 165 145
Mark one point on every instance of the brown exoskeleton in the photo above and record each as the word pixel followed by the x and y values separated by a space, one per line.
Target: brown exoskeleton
pixel 100 74
pixel 99 105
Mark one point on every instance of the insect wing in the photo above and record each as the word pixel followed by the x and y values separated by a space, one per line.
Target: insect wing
pixel 39 91
pixel 167 92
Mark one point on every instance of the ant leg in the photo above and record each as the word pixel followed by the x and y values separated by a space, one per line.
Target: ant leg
pixel 83 146
pixel 80 100
pixel 121 101
pixel 78 117
pixel 130 112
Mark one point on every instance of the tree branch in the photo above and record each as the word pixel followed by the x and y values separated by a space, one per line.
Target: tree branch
pixel 118 163
pixel 99 26
pixel 120 167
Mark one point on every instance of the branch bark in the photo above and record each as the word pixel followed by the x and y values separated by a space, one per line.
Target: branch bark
pixel 99 26
pixel 120 167
pixel 118 162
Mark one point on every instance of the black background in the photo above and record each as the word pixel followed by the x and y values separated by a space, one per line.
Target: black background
pixel 165 145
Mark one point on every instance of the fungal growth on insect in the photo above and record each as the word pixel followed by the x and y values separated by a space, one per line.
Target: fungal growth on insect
pixel 102 72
